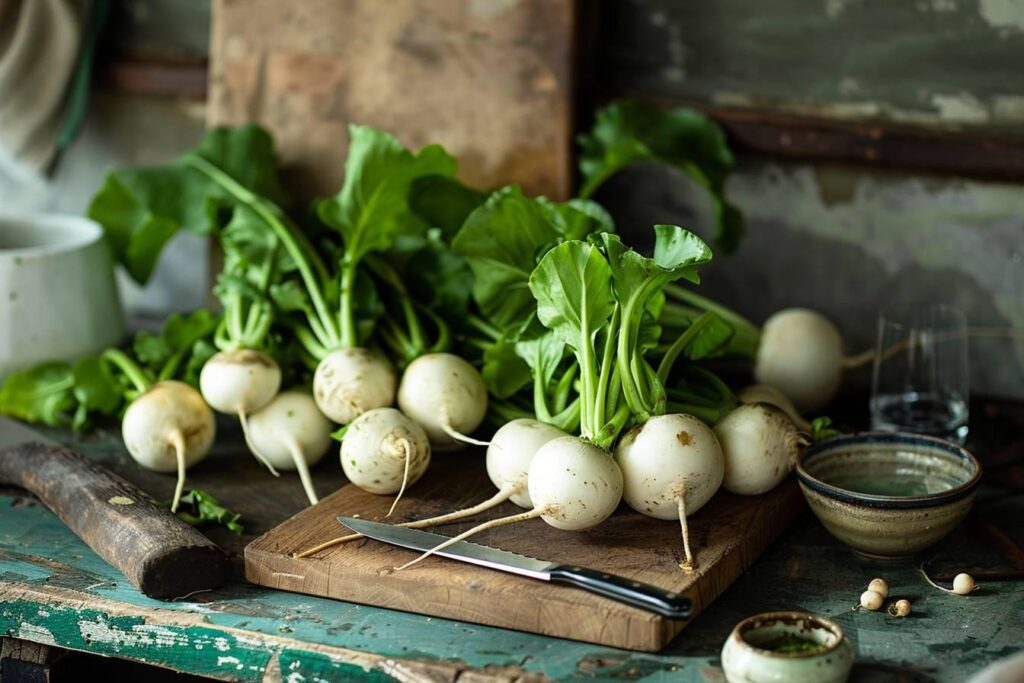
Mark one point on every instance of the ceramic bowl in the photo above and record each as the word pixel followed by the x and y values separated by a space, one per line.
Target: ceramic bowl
pixel 58 298
pixel 746 657
pixel 888 495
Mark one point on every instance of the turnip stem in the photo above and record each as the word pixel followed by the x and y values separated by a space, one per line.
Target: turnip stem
pixel 687 565
pixel 308 263
pixel 243 419
pixel 303 469
pixel 407 456
pixel 135 374
pixel 665 367
pixel 498 498
pixel 494 523
pixel 177 440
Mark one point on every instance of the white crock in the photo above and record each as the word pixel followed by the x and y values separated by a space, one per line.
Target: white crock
pixel 58 298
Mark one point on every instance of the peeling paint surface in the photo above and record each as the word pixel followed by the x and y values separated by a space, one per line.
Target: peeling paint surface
pixel 933 63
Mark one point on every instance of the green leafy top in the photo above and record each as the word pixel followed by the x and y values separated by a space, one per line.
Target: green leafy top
pixel 73 394
pixel 141 209
pixel 201 509
pixel 625 133
pixel 372 208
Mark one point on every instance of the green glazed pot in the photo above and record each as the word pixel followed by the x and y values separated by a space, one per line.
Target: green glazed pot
pixel 888 495
pixel 747 657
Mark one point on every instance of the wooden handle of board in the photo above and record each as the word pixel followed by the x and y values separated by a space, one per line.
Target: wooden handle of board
pixel 159 553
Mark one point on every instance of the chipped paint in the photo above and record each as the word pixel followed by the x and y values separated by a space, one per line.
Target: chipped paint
pixel 962 107
pixel 35 633
pixel 1002 13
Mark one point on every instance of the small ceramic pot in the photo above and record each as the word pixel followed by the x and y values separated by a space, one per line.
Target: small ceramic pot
pixel 747 659
pixel 888 495
pixel 58 298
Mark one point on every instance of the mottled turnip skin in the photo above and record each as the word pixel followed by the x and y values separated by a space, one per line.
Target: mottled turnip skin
pixel 760 444
pixel 578 484
pixel 801 355
pixel 374 449
pixel 239 381
pixel 349 382
pixel 292 417
pixel 439 388
pixel 666 456
pixel 152 417
pixel 512 450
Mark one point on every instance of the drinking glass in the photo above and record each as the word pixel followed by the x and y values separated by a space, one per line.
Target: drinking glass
pixel 920 382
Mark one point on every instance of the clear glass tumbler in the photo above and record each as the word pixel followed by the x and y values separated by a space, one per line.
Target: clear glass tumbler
pixel 920 382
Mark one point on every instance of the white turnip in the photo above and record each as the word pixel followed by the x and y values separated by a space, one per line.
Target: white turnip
pixel 766 393
pixel 801 354
pixel 348 382
pixel 760 444
pixel 383 451
pixel 671 466
pixel 240 382
pixel 292 434
pixel 168 428
pixel 446 396
pixel 573 484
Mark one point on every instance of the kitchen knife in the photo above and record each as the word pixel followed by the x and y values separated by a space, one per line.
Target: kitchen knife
pixel 162 555
pixel 666 603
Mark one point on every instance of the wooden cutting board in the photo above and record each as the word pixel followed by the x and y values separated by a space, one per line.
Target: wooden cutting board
pixel 728 534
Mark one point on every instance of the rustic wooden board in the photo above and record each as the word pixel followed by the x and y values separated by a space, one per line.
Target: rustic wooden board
pixel 492 81
pixel 727 535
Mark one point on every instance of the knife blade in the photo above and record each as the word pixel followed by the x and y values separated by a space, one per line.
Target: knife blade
pixel 159 553
pixel 645 596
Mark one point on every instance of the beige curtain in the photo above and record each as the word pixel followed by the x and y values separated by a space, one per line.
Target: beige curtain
pixel 39 44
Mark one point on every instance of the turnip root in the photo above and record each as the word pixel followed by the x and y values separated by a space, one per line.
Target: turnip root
pixel 671 466
pixel 508 464
pixel 573 484
pixel 384 451
pixel 241 382
pixel 446 396
pixel 801 354
pixel 292 434
pixel 168 428
pixel 765 393
pixel 349 382
pixel 760 444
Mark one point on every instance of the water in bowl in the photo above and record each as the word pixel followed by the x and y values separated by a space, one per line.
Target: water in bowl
pixel 920 413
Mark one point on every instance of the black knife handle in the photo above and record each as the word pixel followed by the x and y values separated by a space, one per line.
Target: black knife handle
pixel 642 595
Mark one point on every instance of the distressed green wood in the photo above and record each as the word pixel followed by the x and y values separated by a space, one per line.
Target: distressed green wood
pixel 53 589
pixel 944 63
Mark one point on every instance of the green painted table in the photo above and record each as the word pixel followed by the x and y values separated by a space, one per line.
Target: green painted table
pixel 54 590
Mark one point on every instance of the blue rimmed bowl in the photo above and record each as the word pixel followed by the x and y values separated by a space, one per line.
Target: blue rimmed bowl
pixel 888 495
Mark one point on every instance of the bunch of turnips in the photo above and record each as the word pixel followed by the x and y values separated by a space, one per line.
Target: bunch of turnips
pixel 410 314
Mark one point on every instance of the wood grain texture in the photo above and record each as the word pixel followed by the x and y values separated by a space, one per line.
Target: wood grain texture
pixel 162 555
pixel 491 81
pixel 727 535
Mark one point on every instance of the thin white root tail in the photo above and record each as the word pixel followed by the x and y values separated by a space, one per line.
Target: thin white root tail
pixel 503 494
pixel 687 565
pixel 303 469
pixel 494 523
pixel 407 456
pixel 459 436
pixel 177 440
pixel 327 544
pixel 244 420
pixel 498 498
